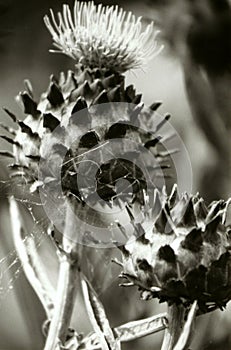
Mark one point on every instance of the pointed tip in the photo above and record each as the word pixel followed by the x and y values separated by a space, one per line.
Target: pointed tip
pixel 163 223
pixel 173 196
pixel 50 121
pixel 117 130
pixel 136 112
pixel 211 234
pixel 30 106
pixel 214 209
pixel 6 154
pixel 161 124
pixel 193 241
pixel 10 114
pixel 124 250
pixel 188 218
pixel 54 95
pixel 157 203
pixel 167 254
pixel 27 130
pixel 226 215
pixel 28 87
pixel 137 99
pixel 130 93
pixel 80 104
pixel 114 95
pixel 101 98
pixel 70 82
pixel 154 106
pixel 200 209
pixel 153 142
pixel 9 140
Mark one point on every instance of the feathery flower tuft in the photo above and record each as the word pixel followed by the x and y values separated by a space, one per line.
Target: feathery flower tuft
pixel 103 37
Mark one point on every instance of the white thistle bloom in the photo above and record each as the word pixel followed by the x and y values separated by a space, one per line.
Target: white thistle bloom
pixel 102 36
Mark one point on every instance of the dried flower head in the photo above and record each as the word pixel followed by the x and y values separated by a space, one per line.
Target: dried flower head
pixel 102 37
pixel 185 256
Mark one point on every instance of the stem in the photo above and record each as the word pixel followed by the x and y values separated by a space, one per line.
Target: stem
pixel 29 258
pixel 175 323
pixel 66 289
pixel 66 292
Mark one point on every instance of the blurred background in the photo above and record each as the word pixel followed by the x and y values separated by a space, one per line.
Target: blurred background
pixel 192 78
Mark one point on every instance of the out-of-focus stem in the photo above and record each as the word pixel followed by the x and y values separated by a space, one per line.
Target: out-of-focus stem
pixel 175 323
pixel 31 263
pixel 64 303
pixel 66 289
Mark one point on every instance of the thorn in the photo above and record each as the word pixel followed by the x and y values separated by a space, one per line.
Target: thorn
pixel 50 122
pixel 200 210
pixel 114 95
pixel 152 143
pixel 166 118
pixel 225 211
pixel 35 158
pixel 155 289
pixel 28 87
pixel 126 284
pixel 117 130
pixel 109 81
pixel 173 196
pixel 188 219
pixel 12 142
pixel 155 106
pixel 89 140
pixel 8 129
pixel 101 98
pixel 80 104
pixel 6 154
pixel 193 241
pixel 163 223
pixel 210 233
pixel 117 262
pixel 214 209
pixel 30 107
pixel 27 130
pixel 130 93
pixel 55 96
pixel 70 83
pixel 97 86
pixel 135 112
pixel 124 250
pixel 136 100
pixel 11 115
pixel 84 77
pixel 167 254
pixel 122 229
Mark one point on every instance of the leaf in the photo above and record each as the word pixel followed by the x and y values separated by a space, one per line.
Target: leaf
pixel 130 331
pixel 98 318
pixel 141 328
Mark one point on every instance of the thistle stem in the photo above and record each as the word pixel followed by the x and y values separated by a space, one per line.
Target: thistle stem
pixel 66 289
pixel 175 323
pixel 31 263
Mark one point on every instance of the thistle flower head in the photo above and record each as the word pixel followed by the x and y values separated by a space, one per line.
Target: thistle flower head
pixel 185 256
pixel 102 37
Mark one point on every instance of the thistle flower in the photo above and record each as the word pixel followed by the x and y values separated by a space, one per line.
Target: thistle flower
pixel 69 109
pixel 185 256
pixel 102 37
